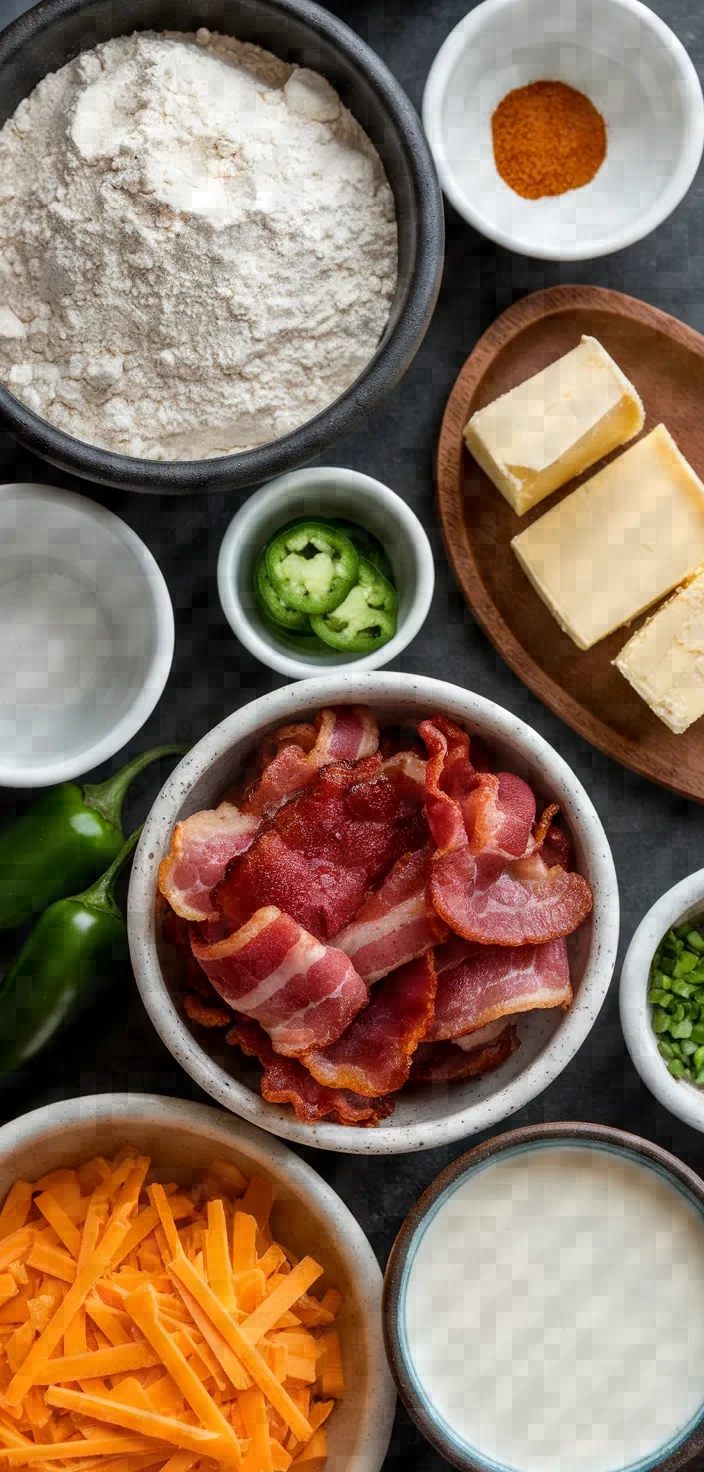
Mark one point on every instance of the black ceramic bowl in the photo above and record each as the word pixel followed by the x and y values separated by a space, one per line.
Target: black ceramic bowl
pixel 53 32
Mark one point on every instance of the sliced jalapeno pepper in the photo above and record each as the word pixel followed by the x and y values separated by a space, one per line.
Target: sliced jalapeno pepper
pixel 311 566
pixel 367 546
pixel 366 618
pixel 271 605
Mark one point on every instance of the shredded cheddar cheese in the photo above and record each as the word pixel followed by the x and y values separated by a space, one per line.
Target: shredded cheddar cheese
pixel 144 1326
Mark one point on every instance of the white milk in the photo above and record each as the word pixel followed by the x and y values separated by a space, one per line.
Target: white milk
pixel 555 1311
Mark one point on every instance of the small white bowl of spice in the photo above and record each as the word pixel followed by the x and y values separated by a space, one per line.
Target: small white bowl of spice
pixel 662 1000
pixel 323 569
pixel 564 131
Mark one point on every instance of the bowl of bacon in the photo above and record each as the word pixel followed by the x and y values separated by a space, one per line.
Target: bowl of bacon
pixel 373 913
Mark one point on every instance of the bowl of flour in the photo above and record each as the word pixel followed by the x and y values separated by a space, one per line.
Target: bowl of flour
pixel 219 247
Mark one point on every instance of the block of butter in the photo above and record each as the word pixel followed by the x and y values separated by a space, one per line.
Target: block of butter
pixel 630 534
pixel 549 429
pixel 664 661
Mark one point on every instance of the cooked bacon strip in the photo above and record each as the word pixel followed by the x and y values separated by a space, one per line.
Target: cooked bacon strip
pixel 407 770
pixel 343 733
pixel 395 924
pixel 482 893
pixel 324 850
pixel 303 993
pixel 286 1081
pixel 557 849
pixel 206 1015
pixel 373 1055
pixel 528 904
pixel 541 827
pixel 436 1062
pixel 498 981
pixel 499 815
pixel 201 849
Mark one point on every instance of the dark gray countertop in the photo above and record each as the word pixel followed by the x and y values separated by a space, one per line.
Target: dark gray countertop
pixel 656 838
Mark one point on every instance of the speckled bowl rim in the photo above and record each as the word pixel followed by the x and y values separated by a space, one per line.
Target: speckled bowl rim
pixel 497 725
pixel 683 902
pixel 604 1137
pixel 126 1112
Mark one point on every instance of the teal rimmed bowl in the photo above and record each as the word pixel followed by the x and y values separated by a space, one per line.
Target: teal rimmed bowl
pixel 409 1328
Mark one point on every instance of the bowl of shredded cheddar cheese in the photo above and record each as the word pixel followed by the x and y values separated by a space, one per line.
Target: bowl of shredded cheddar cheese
pixel 177 1292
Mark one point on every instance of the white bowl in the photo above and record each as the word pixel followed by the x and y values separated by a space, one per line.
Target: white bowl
pixel 425 1115
pixel 685 901
pixel 635 71
pixel 87 635
pixel 182 1137
pixel 329 491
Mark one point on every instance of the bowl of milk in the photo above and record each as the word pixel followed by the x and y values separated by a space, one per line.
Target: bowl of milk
pixel 544 1305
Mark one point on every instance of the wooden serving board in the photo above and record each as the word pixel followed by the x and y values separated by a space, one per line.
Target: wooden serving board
pixel 665 361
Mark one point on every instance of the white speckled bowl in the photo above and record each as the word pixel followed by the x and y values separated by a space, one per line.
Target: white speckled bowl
pixel 180 1138
pixel 685 901
pixel 425 1115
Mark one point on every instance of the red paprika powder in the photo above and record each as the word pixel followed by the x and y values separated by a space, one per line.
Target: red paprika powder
pixel 548 138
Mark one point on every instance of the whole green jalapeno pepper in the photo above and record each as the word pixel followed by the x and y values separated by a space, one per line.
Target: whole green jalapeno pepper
pixel 311 566
pixel 64 840
pixel 74 950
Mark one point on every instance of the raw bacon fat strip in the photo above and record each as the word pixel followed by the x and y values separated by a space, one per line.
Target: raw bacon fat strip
pixel 301 992
pixel 286 1081
pixel 344 733
pixel 397 923
pixel 497 981
pixel 373 1055
pixel 480 891
pixel 435 1062
pixel 201 849
pixel 325 849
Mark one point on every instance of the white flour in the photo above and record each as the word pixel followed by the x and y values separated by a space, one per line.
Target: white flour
pixel 197 247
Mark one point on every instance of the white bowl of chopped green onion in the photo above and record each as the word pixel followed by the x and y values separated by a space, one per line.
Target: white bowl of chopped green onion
pixel 662 1000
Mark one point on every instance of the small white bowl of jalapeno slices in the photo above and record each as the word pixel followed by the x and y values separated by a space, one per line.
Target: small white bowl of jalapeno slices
pixel 323 568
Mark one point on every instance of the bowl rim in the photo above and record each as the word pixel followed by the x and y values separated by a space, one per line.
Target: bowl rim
pixel 527 1137
pixel 682 1098
pixel 284 705
pixel 352 1243
pixel 389 362
pixel 156 672
pixel 246 520
pixel 689 158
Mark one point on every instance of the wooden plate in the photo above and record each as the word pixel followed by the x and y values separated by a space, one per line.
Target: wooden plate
pixel 665 361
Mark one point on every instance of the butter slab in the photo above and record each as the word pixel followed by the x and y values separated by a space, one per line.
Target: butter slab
pixel 664 661
pixel 628 536
pixel 556 424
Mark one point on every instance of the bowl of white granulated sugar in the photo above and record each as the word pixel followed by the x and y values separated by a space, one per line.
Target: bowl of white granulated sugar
pixel 219 247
